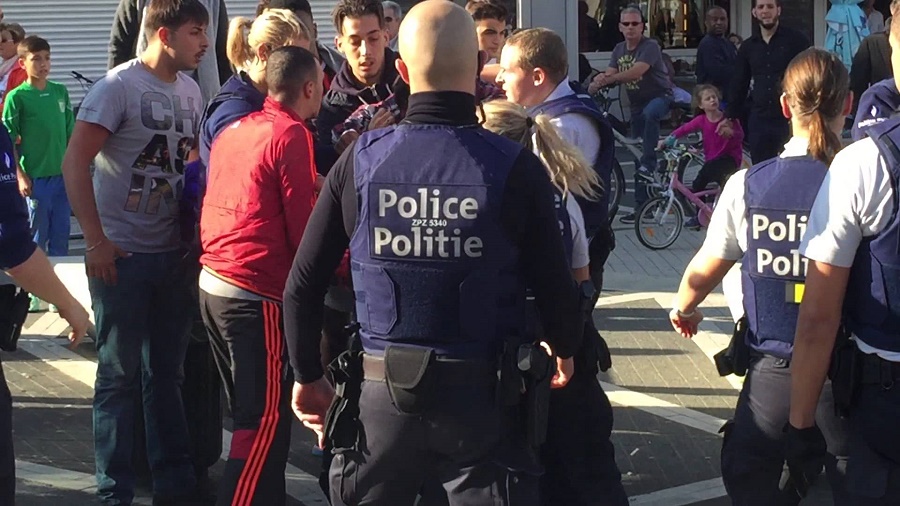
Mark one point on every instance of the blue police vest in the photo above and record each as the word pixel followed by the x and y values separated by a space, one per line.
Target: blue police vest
pixel 565 223
pixel 596 212
pixel 432 265
pixel 872 303
pixel 779 194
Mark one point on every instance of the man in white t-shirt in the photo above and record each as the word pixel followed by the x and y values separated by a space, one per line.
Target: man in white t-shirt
pixel 533 73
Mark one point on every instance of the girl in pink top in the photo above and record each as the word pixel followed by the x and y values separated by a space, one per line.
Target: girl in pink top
pixel 723 154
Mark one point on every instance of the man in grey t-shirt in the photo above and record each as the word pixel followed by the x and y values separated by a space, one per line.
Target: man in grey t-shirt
pixel 139 124
pixel 139 170
pixel 637 63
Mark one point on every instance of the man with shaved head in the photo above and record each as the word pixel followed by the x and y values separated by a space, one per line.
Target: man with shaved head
pixel 446 224
pixel 716 54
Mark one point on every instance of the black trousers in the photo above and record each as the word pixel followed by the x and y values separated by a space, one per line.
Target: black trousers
pixel 457 439
pixel 579 459
pixel 7 458
pixel 767 136
pixel 247 339
pixel 873 471
pixel 716 170
pixel 753 448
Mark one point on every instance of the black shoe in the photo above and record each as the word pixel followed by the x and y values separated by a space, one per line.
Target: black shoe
pixel 196 498
pixel 628 219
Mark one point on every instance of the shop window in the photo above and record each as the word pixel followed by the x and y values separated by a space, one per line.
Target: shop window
pixel 674 23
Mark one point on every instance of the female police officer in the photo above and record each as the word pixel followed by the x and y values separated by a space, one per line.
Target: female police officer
pixel 761 217
pixel 854 274
pixel 582 470
pixel 29 267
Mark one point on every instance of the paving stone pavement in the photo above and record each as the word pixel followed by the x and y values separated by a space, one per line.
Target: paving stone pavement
pixel 668 400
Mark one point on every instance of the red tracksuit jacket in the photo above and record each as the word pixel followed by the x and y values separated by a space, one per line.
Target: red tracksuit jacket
pixel 259 195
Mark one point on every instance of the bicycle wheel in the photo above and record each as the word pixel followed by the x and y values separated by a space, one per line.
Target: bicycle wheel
pixel 658 222
pixel 616 189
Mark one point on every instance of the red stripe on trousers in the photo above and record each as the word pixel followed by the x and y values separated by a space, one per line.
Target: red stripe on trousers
pixel 249 479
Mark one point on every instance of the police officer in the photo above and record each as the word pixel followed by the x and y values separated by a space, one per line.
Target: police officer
pixel 446 224
pixel 761 218
pixel 579 457
pixel 851 246
pixel 26 263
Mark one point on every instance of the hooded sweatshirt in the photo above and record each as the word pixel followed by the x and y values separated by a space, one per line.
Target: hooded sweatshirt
pixel 346 96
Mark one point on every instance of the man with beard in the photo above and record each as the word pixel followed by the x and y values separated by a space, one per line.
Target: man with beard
pixel 763 58
pixel 716 54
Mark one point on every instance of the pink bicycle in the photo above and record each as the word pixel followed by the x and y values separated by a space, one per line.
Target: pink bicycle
pixel 659 221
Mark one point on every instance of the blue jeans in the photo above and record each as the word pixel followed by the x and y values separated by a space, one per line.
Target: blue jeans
pixel 645 123
pixel 143 325
pixel 50 213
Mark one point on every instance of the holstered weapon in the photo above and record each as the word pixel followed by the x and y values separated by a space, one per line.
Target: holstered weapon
pixel 14 304
pixel 537 368
pixel 735 359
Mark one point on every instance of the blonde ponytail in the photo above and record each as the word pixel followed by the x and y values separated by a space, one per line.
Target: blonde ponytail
pixel 569 170
pixel 238 50
pixel 567 167
pixel 273 28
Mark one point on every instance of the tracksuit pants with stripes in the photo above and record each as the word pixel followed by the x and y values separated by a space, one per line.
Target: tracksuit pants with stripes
pixel 247 339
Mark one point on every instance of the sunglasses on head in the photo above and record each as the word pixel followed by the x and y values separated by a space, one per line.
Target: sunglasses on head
pixel 631 23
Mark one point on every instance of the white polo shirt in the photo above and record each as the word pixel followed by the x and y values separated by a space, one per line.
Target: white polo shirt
pixel 855 201
pixel 581 132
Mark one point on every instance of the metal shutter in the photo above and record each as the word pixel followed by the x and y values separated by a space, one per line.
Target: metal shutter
pixel 321 12
pixel 78 32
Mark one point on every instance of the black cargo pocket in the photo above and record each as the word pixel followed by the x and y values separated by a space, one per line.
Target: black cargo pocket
pixel 376 298
pixel 342 476
pixel 478 303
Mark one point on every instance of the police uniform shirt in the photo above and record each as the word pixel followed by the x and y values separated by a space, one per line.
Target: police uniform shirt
pixel 854 202
pixel 532 227
pixel 581 132
pixel 726 237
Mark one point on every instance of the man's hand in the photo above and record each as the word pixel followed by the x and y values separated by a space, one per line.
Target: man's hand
pixel 686 325
pixel 320 182
pixel 25 184
pixel 565 369
pixel 599 81
pixel 725 129
pixel 310 403
pixel 101 261
pixel 347 138
pixel 78 319
pixel 805 454
pixel 381 119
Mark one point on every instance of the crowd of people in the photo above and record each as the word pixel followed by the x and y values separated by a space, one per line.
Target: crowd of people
pixel 400 243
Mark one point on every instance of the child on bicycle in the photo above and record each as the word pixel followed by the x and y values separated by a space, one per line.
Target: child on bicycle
pixel 723 154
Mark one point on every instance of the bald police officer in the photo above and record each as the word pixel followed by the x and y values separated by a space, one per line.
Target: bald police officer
pixel 446 224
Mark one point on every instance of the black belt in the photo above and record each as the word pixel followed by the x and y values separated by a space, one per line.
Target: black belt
pixel 878 371
pixel 449 371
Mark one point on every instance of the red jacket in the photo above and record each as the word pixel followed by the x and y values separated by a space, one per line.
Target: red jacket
pixel 260 193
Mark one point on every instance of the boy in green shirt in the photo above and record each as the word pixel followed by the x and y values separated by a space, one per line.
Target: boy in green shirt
pixel 39 115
